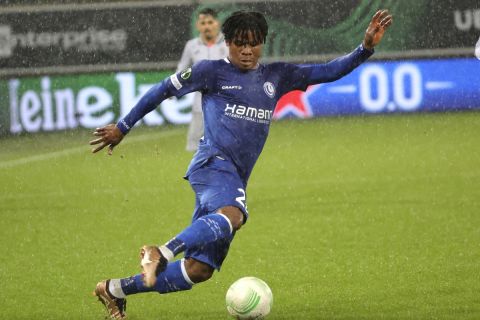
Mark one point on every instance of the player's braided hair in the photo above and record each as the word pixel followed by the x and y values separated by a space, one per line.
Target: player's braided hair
pixel 240 23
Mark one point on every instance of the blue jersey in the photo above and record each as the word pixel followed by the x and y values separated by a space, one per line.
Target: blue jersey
pixel 238 105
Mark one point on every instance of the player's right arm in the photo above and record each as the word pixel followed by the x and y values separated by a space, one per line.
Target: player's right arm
pixel 192 79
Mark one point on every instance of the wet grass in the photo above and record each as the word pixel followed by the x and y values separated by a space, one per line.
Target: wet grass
pixel 351 218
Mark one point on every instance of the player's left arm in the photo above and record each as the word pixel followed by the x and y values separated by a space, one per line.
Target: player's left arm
pixel 342 66
pixel 381 20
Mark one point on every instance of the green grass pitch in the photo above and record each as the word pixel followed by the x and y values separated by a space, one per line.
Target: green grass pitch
pixel 350 218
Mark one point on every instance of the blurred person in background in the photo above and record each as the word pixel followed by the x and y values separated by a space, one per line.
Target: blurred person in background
pixel 209 45
pixel 477 49
pixel 239 97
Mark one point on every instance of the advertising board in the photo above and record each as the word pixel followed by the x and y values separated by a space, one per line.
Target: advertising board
pixel 52 103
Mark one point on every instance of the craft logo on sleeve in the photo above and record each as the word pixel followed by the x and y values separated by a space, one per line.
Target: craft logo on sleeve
pixel 5 41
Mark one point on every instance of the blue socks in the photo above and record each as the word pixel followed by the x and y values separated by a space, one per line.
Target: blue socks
pixel 207 229
pixel 204 230
pixel 174 278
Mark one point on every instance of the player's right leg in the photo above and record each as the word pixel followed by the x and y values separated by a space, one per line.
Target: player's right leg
pixel 220 212
pixel 205 242
pixel 197 266
pixel 113 292
pixel 220 193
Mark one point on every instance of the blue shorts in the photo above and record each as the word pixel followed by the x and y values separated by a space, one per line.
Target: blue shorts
pixel 216 184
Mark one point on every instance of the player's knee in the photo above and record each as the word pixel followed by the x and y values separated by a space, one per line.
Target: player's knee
pixel 198 271
pixel 233 214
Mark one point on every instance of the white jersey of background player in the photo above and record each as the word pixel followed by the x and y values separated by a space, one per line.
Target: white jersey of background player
pixel 209 45
pixel 477 49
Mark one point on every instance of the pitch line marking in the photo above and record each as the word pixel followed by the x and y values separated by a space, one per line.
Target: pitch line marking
pixel 66 152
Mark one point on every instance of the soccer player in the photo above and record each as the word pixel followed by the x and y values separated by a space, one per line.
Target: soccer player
pixel 239 96
pixel 209 45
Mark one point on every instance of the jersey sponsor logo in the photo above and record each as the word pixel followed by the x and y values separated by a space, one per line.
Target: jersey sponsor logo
pixel 185 74
pixel 231 87
pixel 269 89
pixel 253 114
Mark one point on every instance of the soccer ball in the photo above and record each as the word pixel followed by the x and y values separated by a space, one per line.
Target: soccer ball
pixel 249 298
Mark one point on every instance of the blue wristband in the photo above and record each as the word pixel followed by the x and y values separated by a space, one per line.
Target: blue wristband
pixel 371 51
pixel 123 126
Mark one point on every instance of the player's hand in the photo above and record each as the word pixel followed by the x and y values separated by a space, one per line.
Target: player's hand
pixel 381 20
pixel 109 135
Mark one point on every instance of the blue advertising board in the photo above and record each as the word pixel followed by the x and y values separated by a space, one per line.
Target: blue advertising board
pixel 51 103
pixel 391 86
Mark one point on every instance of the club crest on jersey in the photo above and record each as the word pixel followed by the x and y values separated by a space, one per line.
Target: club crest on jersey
pixel 269 89
pixel 185 74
